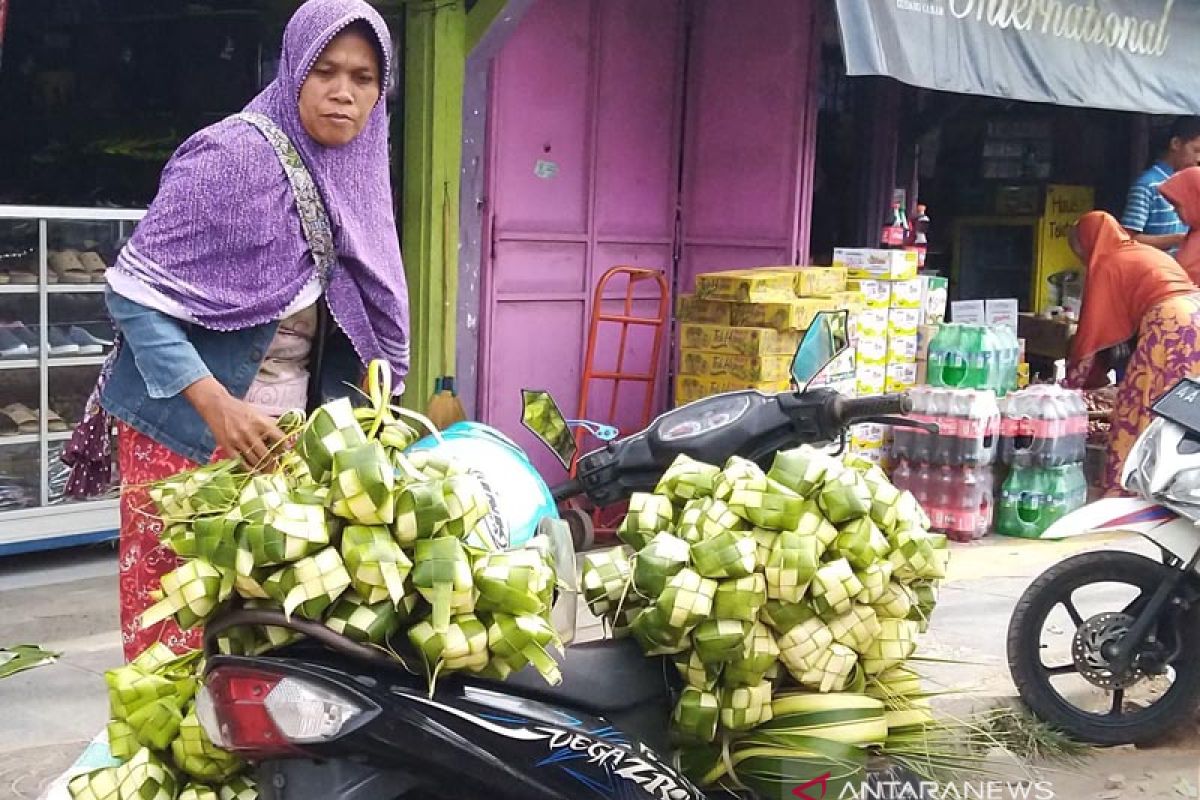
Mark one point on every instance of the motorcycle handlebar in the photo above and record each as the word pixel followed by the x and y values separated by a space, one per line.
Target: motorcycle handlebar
pixel 313 630
pixel 566 490
pixel 847 411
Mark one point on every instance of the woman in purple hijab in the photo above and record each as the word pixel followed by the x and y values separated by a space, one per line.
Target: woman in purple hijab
pixel 265 274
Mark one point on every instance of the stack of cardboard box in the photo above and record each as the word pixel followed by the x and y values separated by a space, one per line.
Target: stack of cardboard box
pixel 889 349
pixel 934 296
pixel 741 328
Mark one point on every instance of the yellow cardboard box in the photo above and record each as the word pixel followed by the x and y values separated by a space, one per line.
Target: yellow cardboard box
pixel 873 322
pixel 867 263
pixel 876 293
pixel 873 349
pixel 793 315
pixel 850 300
pixel 903 348
pixel 870 431
pixel 689 388
pixel 907 293
pixel 746 286
pixel 751 369
pixel 867 437
pixel 870 379
pixel 903 320
pixel 816 281
pixel 689 308
pixel 867 452
pixel 847 386
pixel 900 377
pixel 738 340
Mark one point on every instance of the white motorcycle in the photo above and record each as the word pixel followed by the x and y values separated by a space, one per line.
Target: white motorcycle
pixel 1105 646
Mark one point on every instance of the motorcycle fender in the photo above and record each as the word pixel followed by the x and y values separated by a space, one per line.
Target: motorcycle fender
pixel 1111 514
pixel 1175 534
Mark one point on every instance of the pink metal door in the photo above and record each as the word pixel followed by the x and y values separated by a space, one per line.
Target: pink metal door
pixel 583 177
pixel 584 157
pixel 749 136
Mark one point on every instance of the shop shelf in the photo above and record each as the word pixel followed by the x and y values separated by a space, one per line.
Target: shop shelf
pixel 76 361
pixel 18 363
pixel 74 288
pixel 55 520
pixel 19 439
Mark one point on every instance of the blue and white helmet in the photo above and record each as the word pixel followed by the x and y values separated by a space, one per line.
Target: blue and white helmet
pixel 519 497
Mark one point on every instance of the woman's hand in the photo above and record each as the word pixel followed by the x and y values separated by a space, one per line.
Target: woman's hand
pixel 240 429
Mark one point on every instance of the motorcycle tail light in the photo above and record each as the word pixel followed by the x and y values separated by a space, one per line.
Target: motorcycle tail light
pixel 262 714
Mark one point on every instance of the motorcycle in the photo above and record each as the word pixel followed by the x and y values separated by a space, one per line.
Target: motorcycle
pixel 329 718
pixel 1133 653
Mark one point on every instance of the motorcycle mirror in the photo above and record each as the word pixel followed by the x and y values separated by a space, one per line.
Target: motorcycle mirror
pixel 826 338
pixel 542 417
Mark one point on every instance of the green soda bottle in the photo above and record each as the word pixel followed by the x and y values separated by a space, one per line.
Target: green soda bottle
pixel 975 349
pixel 1023 508
pixel 948 363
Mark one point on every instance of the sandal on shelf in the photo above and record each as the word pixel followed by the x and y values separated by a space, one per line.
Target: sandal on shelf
pixel 19 268
pixel 94 264
pixel 55 423
pixel 21 416
pixel 67 267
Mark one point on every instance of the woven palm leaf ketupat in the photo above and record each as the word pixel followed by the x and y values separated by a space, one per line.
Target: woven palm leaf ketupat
pixel 799 590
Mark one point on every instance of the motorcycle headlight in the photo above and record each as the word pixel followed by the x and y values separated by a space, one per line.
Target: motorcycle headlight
pixel 1184 489
pixel 1164 464
pixel 1138 472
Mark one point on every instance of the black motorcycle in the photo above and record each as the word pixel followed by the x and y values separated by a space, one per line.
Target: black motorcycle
pixel 331 719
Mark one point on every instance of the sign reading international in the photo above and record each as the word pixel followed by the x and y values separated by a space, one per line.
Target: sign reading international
pixel 1130 55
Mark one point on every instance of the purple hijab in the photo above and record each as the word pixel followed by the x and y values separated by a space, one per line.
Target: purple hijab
pixel 222 239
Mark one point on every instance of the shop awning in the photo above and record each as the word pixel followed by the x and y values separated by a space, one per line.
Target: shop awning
pixel 1129 55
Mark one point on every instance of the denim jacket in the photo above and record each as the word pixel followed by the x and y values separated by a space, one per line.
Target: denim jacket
pixel 161 356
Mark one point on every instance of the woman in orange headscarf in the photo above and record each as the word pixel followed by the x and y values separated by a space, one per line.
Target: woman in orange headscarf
pixel 1182 190
pixel 1131 289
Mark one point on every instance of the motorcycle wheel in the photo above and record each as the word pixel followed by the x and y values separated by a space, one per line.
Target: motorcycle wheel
pixel 1120 725
pixel 583 531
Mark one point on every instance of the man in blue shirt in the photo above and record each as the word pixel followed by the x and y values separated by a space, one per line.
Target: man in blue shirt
pixel 1148 217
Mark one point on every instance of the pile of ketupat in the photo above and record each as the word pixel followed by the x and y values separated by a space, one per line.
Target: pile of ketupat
pixel 155 732
pixel 790 602
pixel 350 529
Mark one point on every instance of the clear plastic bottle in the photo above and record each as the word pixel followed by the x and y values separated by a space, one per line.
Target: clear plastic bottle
pixel 1078 427
pixel 903 438
pixel 1043 426
pixel 945 506
pixel 972 518
pixel 944 444
pixel 980 350
pixel 978 427
pixel 902 476
pixel 924 479
pixel 1007 359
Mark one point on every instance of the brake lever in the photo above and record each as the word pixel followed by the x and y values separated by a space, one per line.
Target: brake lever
pixel 904 422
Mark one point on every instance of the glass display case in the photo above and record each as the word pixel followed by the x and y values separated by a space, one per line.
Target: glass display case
pixel 54 336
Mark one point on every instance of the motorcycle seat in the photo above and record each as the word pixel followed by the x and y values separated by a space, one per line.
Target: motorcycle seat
pixel 600 677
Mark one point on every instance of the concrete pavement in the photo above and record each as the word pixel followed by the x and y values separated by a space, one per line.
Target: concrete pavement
pixel 67 602
pixel 64 602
